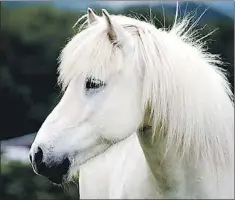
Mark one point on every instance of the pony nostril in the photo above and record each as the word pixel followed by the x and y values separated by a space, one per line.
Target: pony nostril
pixel 38 156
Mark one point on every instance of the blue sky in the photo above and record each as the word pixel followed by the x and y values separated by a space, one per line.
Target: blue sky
pixel 226 7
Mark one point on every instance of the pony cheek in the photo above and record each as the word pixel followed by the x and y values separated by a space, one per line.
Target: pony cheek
pixel 118 126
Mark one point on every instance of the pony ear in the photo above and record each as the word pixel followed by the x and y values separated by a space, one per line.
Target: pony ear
pixel 116 33
pixel 91 16
pixel 110 26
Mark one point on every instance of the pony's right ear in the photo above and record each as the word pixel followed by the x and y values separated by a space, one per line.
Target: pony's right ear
pixel 91 16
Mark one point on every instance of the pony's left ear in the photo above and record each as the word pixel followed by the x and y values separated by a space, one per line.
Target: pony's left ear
pixel 117 35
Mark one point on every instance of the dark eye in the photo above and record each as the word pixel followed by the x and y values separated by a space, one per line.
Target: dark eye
pixel 93 84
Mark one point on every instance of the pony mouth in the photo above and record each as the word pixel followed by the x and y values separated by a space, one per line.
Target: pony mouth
pixel 70 170
pixel 58 180
pixel 57 173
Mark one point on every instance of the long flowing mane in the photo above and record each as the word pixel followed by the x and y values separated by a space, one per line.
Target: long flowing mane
pixel 187 92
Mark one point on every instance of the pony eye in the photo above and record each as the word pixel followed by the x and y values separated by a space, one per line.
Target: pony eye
pixel 93 84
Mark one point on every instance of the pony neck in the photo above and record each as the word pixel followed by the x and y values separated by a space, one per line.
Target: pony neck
pixel 153 149
pixel 123 173
pixel 169 167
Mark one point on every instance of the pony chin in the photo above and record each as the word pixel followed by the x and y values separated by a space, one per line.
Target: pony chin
pixel 82 157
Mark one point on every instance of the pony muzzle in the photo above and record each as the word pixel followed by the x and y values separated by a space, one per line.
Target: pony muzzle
pixel 56 171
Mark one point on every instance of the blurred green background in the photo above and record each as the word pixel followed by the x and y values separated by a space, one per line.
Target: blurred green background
pixel 32 36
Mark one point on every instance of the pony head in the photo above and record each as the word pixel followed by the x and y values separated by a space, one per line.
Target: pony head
pixel 101 104
pixel 120 74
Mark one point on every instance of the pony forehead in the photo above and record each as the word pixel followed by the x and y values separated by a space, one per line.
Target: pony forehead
pixel 90 53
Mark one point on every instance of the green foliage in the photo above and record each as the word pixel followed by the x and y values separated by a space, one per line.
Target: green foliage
pixel 19 182
pixel 31 40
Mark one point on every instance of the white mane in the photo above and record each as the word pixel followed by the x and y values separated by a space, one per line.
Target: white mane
pixel 187 91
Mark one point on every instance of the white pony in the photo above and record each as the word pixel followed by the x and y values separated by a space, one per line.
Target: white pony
pixel 146 113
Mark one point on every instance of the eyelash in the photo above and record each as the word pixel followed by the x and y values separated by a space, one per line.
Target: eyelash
pixel 93 84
